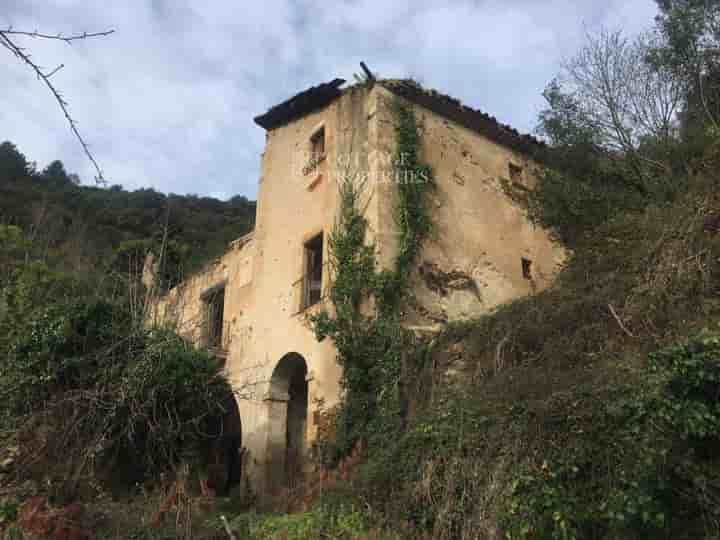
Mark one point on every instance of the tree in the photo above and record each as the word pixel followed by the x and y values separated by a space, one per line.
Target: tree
pixel 13 164
pixel 55 172
pixel 610 97
pixel 691 31
pixel 691 49
pixel 8 40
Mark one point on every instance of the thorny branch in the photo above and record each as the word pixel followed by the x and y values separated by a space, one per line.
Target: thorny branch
pixel 25 57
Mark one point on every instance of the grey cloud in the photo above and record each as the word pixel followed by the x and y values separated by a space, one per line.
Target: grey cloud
pixel 168 100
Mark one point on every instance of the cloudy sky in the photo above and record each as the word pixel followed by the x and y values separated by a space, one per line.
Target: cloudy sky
pixel 167 101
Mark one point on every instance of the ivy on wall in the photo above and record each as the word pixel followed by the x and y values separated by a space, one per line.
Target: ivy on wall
pixel 372 344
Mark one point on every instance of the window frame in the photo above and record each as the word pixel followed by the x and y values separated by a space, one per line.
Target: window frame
pixel 526 265
pixel 313 266
pixel 318 135
pixel 315 158
pixel 214 316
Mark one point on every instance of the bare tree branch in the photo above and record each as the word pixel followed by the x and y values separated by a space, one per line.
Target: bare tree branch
pixel 21 54
pixel 54 71
pixel 60 37
pixel 620 323
pixel 623 99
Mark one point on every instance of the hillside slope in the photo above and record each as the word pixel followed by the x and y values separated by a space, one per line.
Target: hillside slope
pixel 547 419
pixel 81 226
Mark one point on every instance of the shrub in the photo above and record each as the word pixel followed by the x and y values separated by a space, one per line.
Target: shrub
pixel 138 400
pixel 571 206
pixel 56 353
pixel 653 475
pixel 171 397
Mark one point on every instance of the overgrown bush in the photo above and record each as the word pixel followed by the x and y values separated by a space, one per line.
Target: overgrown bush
pixel 107 394
pixel 572 205
pixel 173 400
pixel 654 475
pixel 55 354
pixel 535 414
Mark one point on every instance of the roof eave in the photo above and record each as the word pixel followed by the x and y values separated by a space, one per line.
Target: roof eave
pixel 301 104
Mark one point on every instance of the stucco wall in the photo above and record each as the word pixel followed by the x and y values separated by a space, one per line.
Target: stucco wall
pixel 481 234
pixel 184 308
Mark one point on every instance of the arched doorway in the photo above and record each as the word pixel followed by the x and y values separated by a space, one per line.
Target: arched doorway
pixel 224 459
pixel 287 421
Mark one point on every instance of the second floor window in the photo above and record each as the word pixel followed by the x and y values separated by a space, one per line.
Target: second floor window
pixel 317 144
pixel 316 151
pixel 312 280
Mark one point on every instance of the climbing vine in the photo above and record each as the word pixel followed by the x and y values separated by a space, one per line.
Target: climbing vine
pixel 372 345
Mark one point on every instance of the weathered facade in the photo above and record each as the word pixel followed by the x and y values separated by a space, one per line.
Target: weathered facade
pixel 251 305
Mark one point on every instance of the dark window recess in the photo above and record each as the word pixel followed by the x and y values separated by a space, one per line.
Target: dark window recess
pixel 515 172
pixel 526 268
pixel 317 144
pixel 215 306
pixel 312 283
pixel 317 151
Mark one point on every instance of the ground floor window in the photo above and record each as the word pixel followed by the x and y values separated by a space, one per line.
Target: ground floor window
pixel 214 312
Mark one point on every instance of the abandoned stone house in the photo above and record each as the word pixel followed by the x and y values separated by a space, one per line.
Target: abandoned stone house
pixel 249 306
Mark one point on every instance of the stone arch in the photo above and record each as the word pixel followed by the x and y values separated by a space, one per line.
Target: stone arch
pixel 287 421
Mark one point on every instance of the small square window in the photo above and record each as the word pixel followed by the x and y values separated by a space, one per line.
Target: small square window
pixel 312 280
pixel 516 172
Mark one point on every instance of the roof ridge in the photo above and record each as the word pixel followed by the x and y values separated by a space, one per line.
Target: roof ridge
pixel 318 96
pixel 453 109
